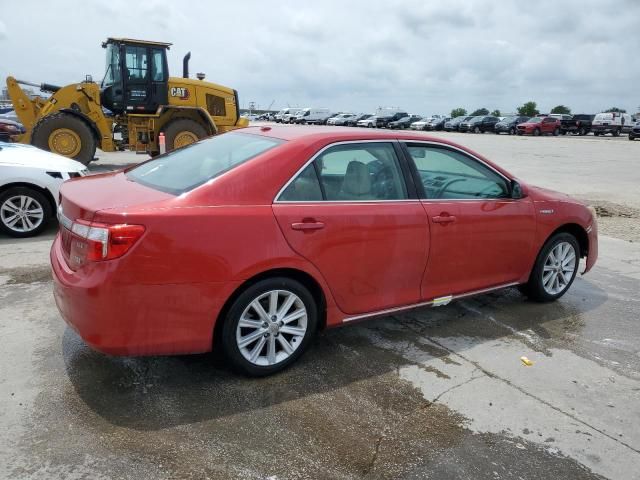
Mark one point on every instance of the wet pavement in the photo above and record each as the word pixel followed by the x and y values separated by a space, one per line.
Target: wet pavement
pixel 435 393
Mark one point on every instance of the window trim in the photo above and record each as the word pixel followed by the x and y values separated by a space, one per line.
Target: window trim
pixel 406 177
pixel 422 194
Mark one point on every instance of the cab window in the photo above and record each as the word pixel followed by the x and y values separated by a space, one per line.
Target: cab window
pixel 136 62
pixel 449 174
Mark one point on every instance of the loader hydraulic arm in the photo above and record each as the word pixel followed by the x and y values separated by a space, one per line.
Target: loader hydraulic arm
pixel 27 110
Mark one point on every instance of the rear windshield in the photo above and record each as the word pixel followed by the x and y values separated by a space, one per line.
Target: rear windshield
pixel 191 166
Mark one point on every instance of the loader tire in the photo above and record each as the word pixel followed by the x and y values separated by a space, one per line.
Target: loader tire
pixel 66 135
pixel 182 132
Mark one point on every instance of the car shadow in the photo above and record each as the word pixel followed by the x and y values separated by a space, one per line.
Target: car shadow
pixel 151 393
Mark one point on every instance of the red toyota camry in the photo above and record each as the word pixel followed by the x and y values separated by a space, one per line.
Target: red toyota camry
pixel 258 238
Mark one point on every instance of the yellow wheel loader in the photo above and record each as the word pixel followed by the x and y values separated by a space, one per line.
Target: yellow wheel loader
pixel 135 102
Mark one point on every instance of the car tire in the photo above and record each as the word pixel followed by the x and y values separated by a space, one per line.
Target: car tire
pixel 542 286
pixel 476 130
pixel 182 132
pixel 261 339
pixel 596 134
pixel 536 132
pixel 616 133
pixel 582 132
pixel 512 131
pixel 67 135
pixel 631 137
pixel 35 205
pixel 556 132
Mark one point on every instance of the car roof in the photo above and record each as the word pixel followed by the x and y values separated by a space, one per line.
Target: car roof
pixel 300 132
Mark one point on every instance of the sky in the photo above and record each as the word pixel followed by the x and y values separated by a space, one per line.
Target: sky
pixel 424 56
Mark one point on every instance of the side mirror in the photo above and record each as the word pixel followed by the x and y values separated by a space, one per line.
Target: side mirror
pixel 516 190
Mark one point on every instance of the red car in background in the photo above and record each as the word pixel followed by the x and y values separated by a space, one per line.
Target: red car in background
pixel 257 238
pixel 537 126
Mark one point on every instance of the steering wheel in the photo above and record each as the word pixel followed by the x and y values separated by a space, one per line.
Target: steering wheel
pixel 488 187
pixel 447 184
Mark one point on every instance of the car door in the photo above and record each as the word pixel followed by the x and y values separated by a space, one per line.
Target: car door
pixel 352 214
pixel 480 236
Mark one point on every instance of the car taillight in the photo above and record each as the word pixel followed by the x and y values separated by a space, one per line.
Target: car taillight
pixel 96 242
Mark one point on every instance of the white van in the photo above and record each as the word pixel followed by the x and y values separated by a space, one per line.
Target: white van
pixel 612 122
pixel 312 115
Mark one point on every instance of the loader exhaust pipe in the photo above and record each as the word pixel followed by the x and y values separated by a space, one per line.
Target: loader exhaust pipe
pixel 185 65
pixel 45 87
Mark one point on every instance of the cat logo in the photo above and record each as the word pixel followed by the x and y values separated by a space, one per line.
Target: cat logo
pixel 180 92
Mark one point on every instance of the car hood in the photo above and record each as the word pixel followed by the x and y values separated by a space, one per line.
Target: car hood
pixel 545 194
pixel 19 155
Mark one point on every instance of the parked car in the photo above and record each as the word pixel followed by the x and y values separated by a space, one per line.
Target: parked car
pixel 30 179
pixel 312 116
pixel 368 122
pixel 420 124
pixel 306 215
pixel 341 119
pixel 454 124
pixel 635 131
pixel 8 128
pixel 613 123
pixel 465 126
pixel 403 122
pixel 539 126
pixel 352 122
pixel 509 124
pixel 436 123
pixel 383 120
pixel 279 117
pixel 579 124
pixel 482 124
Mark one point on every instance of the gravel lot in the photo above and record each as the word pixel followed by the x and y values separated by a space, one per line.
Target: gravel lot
pixel 434 393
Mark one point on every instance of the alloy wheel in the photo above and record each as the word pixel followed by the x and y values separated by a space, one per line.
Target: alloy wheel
pixel 272 327
pixel 21 213
pixel 559 268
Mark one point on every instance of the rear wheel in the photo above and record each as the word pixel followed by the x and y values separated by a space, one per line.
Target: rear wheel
pixel 616 133
pixel 24 212
pixel 554 270
pixel 476 130
pixel 269 326
pixel 66 135
pixel 182 132
pixel 556 132
pixel 512 131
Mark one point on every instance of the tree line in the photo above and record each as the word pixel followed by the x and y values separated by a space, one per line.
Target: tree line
pixel 528 109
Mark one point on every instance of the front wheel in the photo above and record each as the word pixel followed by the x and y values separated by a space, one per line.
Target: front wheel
pixel 554 270
pixel 65 134
pixel 536 132
pixel 269 326
pixel 24 212
pixel 556 132
pixel 476 130
pixel 512 131
pixel 616 133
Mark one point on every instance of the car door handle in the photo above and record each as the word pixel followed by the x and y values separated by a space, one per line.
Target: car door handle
pixel 444 219
pixel 307 226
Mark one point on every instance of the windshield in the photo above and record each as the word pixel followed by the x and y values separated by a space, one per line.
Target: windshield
pixel 112 69
pixel 534 120
pixel 510 118
pixel 189 167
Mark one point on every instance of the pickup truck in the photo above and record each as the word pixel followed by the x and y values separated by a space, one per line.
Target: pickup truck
pixel 578 124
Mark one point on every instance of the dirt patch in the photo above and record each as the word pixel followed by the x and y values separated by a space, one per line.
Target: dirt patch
pixel 27 275
pixel 619 221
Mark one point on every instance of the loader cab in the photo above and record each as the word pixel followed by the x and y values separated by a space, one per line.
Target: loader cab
pixel 136 76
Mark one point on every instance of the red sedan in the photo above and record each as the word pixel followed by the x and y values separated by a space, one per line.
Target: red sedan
pixel 258 238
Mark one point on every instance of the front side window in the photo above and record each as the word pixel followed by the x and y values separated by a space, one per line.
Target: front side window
pixel 136 62
pixel 367 171
pixel 449 174
pixel 191 166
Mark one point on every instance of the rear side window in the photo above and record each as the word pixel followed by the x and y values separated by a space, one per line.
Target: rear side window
pixel 350 172
pixel 191 166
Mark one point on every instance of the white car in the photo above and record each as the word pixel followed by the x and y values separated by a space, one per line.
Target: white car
pixel 421 124
pixel 30 179
pixel 341 119
pixel 368 122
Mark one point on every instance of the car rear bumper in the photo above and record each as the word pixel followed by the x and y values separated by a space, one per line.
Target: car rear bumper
pixel 135 319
